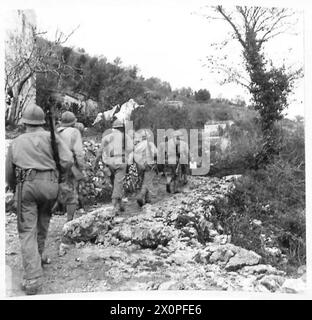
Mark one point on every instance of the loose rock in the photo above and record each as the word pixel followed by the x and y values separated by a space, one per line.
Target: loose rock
pixel 241 259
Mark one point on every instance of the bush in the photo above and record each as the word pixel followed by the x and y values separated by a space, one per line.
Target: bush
pixel 202 95
pixel 244 140
pixel 275 195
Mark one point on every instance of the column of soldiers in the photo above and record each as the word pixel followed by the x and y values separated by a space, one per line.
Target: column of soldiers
pixel 31 170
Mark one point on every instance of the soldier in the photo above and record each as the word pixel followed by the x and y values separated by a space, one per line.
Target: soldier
pixel 162 154
pixel 114 150
pixel 80 126
pixel 72 137
pixel 144 155
pixel 176 169
pixel 31 169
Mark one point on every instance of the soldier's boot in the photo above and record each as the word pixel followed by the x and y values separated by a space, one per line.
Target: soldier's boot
pixel 168 182
pixel 174 186
pixel 32 286
pixel 121 205
pixel 116 205
pixel 148 197
pixel 45 259
pixel 141 198
pixel 70 208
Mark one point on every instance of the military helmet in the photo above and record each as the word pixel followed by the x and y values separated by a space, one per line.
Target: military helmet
pixel 33 115
pixel 68 119
pixel 80 127
pixel 178 133
pixel 145 134
pixel 118 124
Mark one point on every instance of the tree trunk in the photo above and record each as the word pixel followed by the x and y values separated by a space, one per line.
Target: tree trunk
pixel 15 112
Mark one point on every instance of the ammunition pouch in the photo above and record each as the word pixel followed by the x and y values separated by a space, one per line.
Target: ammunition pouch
pixel 64 193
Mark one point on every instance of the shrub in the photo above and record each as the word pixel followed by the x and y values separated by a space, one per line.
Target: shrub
pixel 275 195
pixel 244 139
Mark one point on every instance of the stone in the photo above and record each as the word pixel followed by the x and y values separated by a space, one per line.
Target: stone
pixel 242 258
pixel 189 232
pixel 79 244
pixel 181 257
pixel 202 256
pixel 213 233
pixel 222 255
pixel 63 248
pixel 232 177
pixel 275 252
pixel 146 234
pixel 256 222
pixel 221 239
pixel 168 285
pixel 124 233
pixel 119 220
pixel 261 269
pixel 222 283
pixel 272 282
pixel 89 226
pixel 294 286
pixel 302 270
pixel 9 202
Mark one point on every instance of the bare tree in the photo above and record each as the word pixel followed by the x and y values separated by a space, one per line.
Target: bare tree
pixel 252 27
pixel 24 58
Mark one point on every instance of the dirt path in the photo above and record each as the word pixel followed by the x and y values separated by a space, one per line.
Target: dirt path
pixel 118 261
pixel 81 269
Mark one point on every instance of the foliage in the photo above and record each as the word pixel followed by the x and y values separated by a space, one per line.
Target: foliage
pixel 268 85
pixel 202 95
pixel 244 140
pixel 275 195
pixel 199 114
pixel 28 55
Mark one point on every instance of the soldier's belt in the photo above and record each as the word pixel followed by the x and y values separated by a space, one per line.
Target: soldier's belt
pixel 47 175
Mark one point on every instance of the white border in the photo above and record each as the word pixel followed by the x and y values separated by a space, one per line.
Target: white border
pixel 148 295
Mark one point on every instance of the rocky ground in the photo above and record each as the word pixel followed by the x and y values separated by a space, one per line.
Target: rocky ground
pixel 170 245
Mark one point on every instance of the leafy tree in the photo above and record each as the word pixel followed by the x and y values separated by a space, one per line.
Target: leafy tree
pixel 268 85
pixel 202 95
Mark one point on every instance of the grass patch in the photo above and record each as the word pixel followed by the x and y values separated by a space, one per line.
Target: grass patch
pixel 274 195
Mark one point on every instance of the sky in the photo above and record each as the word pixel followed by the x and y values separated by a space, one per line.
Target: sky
pixel 165 39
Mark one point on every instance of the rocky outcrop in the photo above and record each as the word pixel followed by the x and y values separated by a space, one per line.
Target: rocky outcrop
pixel 89 226
pixel 227 255
pixel 242 258
pixel 174 245
pixel 147 235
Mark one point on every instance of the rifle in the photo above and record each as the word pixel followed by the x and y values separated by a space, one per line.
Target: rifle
pixel 56 156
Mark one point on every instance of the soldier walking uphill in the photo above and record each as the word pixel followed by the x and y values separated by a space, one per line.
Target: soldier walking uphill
pixel 72 137
pixel 31 169
pixel 144 155
pixel 114 151
pixel 177 162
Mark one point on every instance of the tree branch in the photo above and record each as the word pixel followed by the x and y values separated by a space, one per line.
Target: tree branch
pixel 228 19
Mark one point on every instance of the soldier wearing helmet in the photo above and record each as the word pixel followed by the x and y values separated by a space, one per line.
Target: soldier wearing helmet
pixel 80 127
pixel 114 150
pixel 31 171
pixel 144 155
pixel 72 137
pixel 177 164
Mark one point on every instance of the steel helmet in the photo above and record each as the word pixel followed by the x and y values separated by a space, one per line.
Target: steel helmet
pixel 118 124
pixel 68 119
pixel 178 133
pixel 80 127
pixel 33 114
